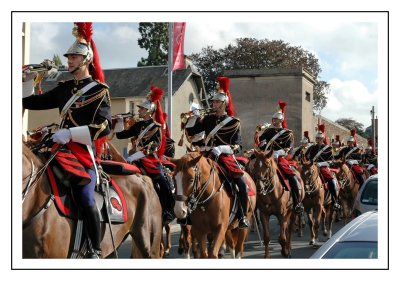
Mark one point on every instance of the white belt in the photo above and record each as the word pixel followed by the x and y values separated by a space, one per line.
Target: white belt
pixel 206 148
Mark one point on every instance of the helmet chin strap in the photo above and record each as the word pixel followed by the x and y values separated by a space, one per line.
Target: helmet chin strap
pixel 84 61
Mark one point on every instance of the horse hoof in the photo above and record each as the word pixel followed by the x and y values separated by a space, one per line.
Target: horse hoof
pixel 311 243
pixel 166 254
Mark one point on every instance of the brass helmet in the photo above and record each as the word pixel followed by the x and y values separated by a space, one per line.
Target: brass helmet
pixel 150 106
pixel 278 115
pixel 80 48
pixel 306 138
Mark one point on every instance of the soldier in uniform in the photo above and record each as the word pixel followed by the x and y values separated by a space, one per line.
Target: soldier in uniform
pixel 298 152
pixel 84 105
pixel 320 153
pixel 222 140
pixel 370 159
pixel 336 145
pixel 352 155
pixel 149 147
pixel 280 139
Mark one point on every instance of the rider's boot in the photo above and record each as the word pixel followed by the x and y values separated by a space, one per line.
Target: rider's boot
pixel 295 192
pixel 166 200
pixel 92 219
pixel 242 210
pixel 333 191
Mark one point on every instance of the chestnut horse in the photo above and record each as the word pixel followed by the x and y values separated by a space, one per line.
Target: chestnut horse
pixel 314 197
pixel 349 189
pixel 201 194
pixel 273 199
pixel 109 151
pixel 47 234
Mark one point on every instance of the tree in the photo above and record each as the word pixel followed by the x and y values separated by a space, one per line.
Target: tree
pixel 250 53
pixel 154 38
pixel 350 123
pixel 57 60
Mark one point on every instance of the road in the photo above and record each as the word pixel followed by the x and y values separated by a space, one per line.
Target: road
pixel 253 248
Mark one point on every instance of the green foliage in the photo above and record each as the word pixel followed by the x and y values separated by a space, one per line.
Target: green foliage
pixel 350 123
pixel 250 53
pixel 154 38
pixel 57 60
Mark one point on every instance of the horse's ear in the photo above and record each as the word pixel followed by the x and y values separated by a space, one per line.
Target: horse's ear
pixel 196 159
pixel 258 152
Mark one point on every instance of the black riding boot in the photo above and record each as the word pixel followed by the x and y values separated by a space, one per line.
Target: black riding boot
pixel 294 190
pixel 360 179
pixel 166 199
pixel 92 225
pixel 333 191
pixel 242 210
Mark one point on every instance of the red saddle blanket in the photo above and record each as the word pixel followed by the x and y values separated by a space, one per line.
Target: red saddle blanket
pixel 117 208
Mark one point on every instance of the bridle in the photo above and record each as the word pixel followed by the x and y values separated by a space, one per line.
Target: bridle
pixel 311 180
pixel 268 184
pixel 194 199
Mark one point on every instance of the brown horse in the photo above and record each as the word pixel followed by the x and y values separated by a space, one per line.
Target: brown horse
pixel 47 234
pixel 314 197
pixel 201 194
pixel 109 151
pixel 349 189
pixel 273 199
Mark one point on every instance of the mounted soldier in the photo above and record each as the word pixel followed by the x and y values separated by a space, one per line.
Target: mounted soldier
pixel 370 159
pixel 336 145
pixel 84 105
pixel 321 153
pixel 280 139
pixel 352 155
pixel 298 152
pixel 222 140
pixel 149 147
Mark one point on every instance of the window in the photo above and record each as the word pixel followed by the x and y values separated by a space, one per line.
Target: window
pixel 308 96
pixel 132 107
pixel 370 193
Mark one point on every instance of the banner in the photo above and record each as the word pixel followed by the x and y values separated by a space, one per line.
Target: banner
pixel 178 53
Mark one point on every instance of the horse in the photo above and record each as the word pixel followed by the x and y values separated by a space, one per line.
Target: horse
pixel 273 199
pixel 314 197
pixel 47 234
pixel 201 194
pixel 349 189
pixel 109 151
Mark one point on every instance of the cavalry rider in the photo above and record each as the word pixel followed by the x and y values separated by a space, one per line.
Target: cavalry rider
pixel 321 153
pixel 149 147
pixel 352 155
pixel 270 139
pixel 370 159
pixel 84 105
pixel 298 152
pixel 223 139
pixel 336 145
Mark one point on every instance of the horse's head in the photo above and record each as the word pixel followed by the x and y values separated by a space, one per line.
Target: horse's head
pixel 264 168
pixel 310 174
pixel 189 174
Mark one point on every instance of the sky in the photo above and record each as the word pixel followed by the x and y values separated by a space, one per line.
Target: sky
pixel 346 47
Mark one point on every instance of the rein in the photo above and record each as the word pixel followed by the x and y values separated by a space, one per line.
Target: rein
pixel 312 182
pixel 270 182
pixel 193 199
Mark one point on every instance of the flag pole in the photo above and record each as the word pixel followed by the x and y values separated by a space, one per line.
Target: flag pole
pixel 170 66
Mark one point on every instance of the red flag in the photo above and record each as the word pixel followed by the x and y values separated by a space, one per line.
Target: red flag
pixel 179 36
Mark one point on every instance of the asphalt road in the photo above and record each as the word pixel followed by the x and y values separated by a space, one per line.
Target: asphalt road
pixel 253 248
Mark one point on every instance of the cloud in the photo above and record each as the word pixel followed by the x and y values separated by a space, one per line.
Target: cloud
pixel 350 99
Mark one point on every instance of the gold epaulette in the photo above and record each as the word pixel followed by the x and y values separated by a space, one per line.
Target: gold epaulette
pixel 104 84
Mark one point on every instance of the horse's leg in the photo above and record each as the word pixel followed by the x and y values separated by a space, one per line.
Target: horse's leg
pixel 229 243
pixel 311 225
pixel 317 221
pixel 167 245
pixel 242 234
pixel 265 224
pixel 218 237
pixel 330 221
pixel 283 239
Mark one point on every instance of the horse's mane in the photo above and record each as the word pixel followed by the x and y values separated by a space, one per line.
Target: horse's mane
pixel 28 154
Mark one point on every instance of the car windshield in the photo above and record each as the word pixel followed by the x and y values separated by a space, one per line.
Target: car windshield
pixel 370 193
pixel 353 250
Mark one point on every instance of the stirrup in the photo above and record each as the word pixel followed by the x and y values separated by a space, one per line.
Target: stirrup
pixel 299 208
pixel 96 254
pixel 336 206
pixel 243 223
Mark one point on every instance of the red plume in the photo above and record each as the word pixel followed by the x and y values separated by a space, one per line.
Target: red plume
pixel 282 106
pixel 306 135
pixel 321 128
pixel 353 134
pixel 158 115
pixel 84 30
pixel 224 86
pixel 337 138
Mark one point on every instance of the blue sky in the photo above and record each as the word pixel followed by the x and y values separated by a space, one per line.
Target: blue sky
pixel 346 46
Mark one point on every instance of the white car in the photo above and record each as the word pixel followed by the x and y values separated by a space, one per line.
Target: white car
pixel 367 197
pixel 356 240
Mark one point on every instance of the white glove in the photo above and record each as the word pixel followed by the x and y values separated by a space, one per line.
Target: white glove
pixel 216 151
pixel 62 136
pixel 27 88
pixel 119 126
pixel 278 153
pixel 135 156
pixel 226 149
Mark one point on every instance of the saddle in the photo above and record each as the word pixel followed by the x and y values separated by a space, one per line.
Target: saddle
pixel 109 197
